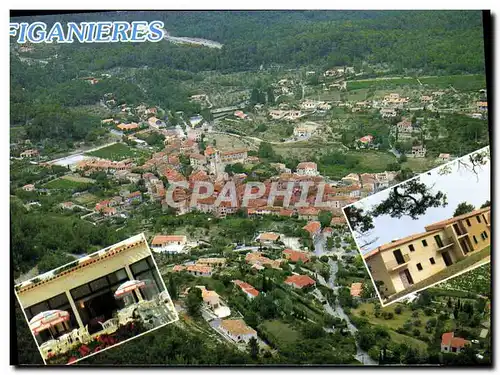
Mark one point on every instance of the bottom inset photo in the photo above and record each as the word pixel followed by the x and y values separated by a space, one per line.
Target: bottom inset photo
pixel 96 302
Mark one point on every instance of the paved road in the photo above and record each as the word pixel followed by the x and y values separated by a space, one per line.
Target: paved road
pixel 80 152
pixel 337 311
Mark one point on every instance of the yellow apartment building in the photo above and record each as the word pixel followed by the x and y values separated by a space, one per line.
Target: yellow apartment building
pixel 85 288
pixel 406 261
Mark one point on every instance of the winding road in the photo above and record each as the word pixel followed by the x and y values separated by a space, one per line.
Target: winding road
pixel 337 311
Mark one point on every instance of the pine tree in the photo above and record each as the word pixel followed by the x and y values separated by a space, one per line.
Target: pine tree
pixel 172 288
pixel 270 96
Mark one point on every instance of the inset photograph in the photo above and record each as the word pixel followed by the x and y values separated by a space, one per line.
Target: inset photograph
pixel 96 302
pixel 427 229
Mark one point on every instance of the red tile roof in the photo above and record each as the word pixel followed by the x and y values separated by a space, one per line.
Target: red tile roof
pixel 312 227
pixel 307 164
pixel 356 289
pixel 300 281
pixel 164 239
pixel 449 339
pixel 294 256
pixel 246 287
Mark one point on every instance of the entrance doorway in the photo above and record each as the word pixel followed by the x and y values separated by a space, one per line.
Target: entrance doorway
pixel 406 278
pixel 447 259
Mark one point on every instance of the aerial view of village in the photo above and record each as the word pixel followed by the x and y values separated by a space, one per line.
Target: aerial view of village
pixel 204 177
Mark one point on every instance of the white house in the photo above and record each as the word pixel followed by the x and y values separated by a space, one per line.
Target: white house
pixel 170 244
pixel 307 169
pixel 237 330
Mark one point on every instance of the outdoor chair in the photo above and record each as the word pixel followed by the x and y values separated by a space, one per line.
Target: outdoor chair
pixel 65 342
pixel 83 335
pixel 125 315
pixel 109 326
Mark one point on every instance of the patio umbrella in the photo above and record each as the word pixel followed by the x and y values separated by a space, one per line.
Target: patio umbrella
pixel 47 319
pixel 128 287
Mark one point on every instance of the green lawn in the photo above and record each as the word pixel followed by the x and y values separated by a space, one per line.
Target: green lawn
pixel 460 82
pixel 380 83
pixel 410 341
pixel 64 184
pixel 368 162
pixel 86 198
pixel 279 332
pixel 471 261
pixel 396 322
pixel 420 164
pixel 117 152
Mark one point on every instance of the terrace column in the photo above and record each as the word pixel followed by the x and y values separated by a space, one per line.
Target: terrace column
pixel 74 308
pixel 131 277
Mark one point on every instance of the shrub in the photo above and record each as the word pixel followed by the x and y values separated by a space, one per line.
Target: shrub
pixel 388 315
pixel 416 332
pixel 398 310
pixel 362 312
pixel 415 314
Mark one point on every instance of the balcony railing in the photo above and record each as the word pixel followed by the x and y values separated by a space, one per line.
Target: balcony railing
pixel 394 265
pixel 445 246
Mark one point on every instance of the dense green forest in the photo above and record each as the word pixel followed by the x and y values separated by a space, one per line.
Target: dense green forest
pixel 448 41
pixel 432 42
pixel 32 237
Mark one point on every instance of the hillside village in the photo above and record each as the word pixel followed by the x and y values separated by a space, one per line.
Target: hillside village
pixel 276 274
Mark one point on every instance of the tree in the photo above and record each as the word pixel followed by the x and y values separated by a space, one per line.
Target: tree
pixel 486 204
pixel 193 301
pixel 463 208
pixel 412 199
pixel 172 287
pixel 329 242
pixel 253 348
pixel 270 96
pixel 325 218
pixel 367 290
pixel 254 96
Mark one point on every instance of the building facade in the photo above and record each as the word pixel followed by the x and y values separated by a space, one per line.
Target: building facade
pixel 404 262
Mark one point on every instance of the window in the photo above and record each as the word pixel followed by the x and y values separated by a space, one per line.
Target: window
pixel 484 236
pixel 80 291
pixel 424 243
pixel 419 267
pixel 99 284
pixel 468 222
pixel 475 239
pixel 437 238
pixel 139 266
pixel 478 219
pixel 58 301
pixel 120 275
pixel 432 261
pixel 484 218
pixel 411 247
pixel 146 270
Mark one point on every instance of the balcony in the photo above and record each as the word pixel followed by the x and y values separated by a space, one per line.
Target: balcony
pixel 448 245
pixel 393 265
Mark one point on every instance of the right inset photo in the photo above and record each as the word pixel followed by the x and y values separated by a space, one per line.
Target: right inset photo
pixel 425 230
